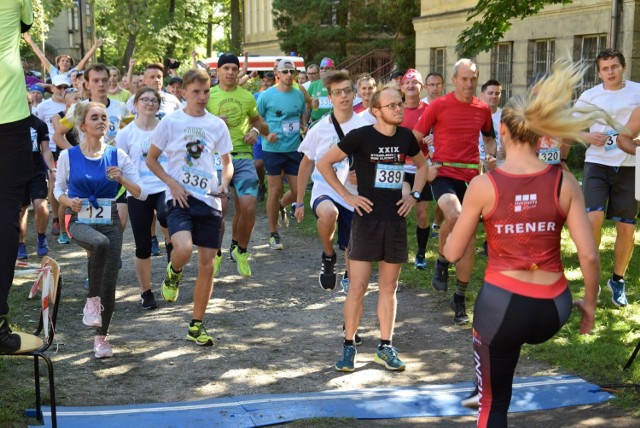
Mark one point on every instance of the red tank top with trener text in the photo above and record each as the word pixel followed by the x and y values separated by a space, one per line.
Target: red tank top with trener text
pixel 523 228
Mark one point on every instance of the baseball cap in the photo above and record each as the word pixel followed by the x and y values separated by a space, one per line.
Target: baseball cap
pixel 269 75
pixel 397 73
pixel 60 80
pixel 412 74
pixel 36 88
pixel 285 64
pixel 327 62
pixel 175 79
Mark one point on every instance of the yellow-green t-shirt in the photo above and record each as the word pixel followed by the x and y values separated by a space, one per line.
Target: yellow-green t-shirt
pixel 13 95
pixel 239 107
pixel 122 96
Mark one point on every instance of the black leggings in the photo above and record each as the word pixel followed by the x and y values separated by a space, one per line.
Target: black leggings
pixel 141 216
pixel 502 323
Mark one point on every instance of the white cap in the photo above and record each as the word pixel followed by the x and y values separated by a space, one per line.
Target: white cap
pixel 286 64
pixel 60 79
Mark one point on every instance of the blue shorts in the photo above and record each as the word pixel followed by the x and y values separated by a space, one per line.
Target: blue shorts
pixel 245 177
pixel 257 150
pixel 275 162
pixel 203 221
pixel 345 217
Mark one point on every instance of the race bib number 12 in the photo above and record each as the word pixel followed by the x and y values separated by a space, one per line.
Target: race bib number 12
pixel 89 214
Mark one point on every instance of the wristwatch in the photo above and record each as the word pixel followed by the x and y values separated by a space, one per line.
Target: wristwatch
pixel 416 195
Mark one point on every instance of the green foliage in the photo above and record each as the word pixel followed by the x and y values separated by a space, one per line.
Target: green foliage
pixel 396 17
pixel 493 20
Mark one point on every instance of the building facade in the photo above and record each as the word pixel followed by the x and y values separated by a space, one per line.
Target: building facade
pixel 259 33
pixel 72 32
pixel 579 30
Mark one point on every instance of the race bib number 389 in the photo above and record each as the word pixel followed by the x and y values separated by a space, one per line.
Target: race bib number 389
pixel 389 176
pixel 89 214
pixel 196 180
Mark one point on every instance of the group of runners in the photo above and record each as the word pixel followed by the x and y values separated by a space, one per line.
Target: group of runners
pixel 179 153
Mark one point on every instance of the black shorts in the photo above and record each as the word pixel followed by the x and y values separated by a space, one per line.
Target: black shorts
pixel 374 240
pixel 443 185
pixel 345 217
pixel 426 194
pixel 204 222
pixel 36 189
pixel 612 190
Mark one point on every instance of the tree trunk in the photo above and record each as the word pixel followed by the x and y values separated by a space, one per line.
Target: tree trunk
pixel 236 35
pixel 172 46
pixel 131 46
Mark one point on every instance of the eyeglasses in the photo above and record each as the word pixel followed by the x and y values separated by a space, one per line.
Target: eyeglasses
pixel 346 91
pixel 148 101
pixel 287 71
pixel 393 106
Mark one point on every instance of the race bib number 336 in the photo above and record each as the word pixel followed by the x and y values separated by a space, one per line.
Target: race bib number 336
pixel 196 180
pixel 389 176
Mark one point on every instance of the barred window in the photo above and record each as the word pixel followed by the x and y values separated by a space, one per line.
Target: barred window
pixel 439 61
pixel 501 68
pixel 587 49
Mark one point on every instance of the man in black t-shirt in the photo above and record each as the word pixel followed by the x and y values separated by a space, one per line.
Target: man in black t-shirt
pixel 379 230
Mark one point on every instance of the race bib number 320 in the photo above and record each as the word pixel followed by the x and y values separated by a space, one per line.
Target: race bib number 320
pixel 196 180
pixel 389 176
pixel 89 214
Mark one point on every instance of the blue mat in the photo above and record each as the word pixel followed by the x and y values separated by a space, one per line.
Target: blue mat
pixel 534 393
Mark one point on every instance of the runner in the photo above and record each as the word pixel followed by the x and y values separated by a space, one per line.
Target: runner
pixel 524 298
pixel 152 78
pixel 366 86
pixel 379 230
pixel 64 63
pixel 115 92
pixel 189 138
pixel 320 103
pixel 237 107
pixel 87 182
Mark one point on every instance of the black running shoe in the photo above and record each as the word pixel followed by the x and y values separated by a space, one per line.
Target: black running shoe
pixel 357 340
pixel 148 300
pixel 328 277
pixel 440 276
pixel 460 310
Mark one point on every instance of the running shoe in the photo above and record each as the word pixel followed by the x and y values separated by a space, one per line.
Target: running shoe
pixel 435 230
pixel 63 238
pixel 22 251
pixel 283 219
pixel 43 245
pixel 459 308
pixel 217 262
pixel 344 282
pixel 242 262
pixel 198 334
pixel 231 248
pixel 357 340
pixel 440 276
pixel 9 342
pixel 155 246
pixel 472 401
pixel 55 227
pixel 327 278
pixel 420 262
pixel 388 357
pixel 170 285
pixel 102 347
pixel 275 242
pixel 619 297
pixel 91 314
pixel 348 361
pixel 292 211
pixel 262 191
pixel 148 301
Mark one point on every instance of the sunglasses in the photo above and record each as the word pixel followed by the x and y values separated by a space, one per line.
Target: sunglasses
pixel 287 71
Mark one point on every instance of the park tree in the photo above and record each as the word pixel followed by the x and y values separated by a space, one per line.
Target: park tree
pixel 492 19
pixel 397 18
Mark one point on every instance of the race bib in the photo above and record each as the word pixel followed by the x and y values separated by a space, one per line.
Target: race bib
pixel 324 102
pixel 217 162
pixel 289 128
pixel 550 156
pixel 89 214
pixel 389 176
pixel 196 180
pixel 611 141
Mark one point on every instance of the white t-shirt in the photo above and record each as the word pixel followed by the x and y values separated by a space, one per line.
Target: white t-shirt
pixel 619 104
pixel 495 117
pixel 189 143
pixel 116 111
pixel 169 104
pixel 135 142
pixel 318 141
pixel 366 115
pixel 45 111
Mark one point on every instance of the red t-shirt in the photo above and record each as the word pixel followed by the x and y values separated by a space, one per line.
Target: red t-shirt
pixel 523 228
pixel 455 133
pixel 358 108
pixel 411 116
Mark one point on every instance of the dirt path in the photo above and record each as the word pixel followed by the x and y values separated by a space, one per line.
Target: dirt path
pixel 277 332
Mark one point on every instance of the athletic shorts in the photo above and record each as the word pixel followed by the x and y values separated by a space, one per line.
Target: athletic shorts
pixel 36 189
pixel 374 240
pixel 203 221
pixel 426 194
pixel 443 185
pixel 257 150
pixel 245 177
pixel 345 217
pixel 610 189
pixel 275 162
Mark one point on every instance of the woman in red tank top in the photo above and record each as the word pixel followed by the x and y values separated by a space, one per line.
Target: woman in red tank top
pixel 524 204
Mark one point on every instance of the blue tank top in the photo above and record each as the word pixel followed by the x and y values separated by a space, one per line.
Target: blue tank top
pixel 88 177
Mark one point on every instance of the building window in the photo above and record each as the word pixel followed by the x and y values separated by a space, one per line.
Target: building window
pixel 501 67
pixel 438 61
pixel 330 18
pixel 586 48
pixel 542 55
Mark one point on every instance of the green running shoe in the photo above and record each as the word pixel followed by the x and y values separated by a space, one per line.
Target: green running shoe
pixel 170 285
pixel 197 333
pixel 348 361
pixel 217 261
pixel 388 357
pixel 242 262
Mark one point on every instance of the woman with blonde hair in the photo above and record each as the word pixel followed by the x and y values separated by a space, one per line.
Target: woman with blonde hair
pixel 524 204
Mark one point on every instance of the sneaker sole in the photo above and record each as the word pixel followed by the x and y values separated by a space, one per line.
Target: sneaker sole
pixel 149 308
pixel 193 339
pixel 168 299
pixel 471 402
pixel 345 369
pixel 330 287
pixel 439 285
pixel 95 324
pixel 387 366
pixel 461 321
